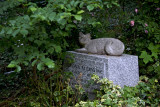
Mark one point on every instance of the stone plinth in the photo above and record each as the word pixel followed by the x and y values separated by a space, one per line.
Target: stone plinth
pixel 122 70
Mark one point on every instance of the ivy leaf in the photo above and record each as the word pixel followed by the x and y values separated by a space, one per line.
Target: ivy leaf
pixel 155 55
pixel 80 12
pixel 146 58
pixel 24 32
pixel 154 48
pixel 90 7
pixel 78 17
pixel 52 16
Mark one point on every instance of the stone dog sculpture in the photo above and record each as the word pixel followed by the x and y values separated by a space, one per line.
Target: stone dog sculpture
pixel 101 46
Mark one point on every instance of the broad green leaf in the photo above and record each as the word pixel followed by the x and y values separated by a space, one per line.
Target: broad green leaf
pixel 69 7
pixel 38 42
pixel 69 26
pixel 72 2
pixel 12 22
pixel 78 17
pixel 52 16
pixel 18 68
pixel 62 6
pixel 24 32
pixel 50 50
pixel 155 55
pixel 2 31
pixel 50 64
pixel 90 7
pixel 80 12
pixel 42 17
pixel 146 58
pixel 109 5
pixel 96 23
pixel 9 31
pixel 57 49
pixel 33 9
pixel 15 32
pixel 11 65
pixel 76 3
pixel 34 62
pixel 20 0
pixel 62 21
pixel 40 66
pixel 26 17
pixel 156 80
pixel 81 4
pixel 115 3
pixel 25 63
pixel 63 15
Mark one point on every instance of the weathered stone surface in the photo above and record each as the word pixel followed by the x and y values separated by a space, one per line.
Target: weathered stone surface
pixel 122 70
pixel 100 46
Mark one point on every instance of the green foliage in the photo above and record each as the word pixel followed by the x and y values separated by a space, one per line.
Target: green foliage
pixel 143 37
pixel 112 95
pixel 37 34
pixel 148 90
pixel 53 91
pixel 146 93
pixel 34 35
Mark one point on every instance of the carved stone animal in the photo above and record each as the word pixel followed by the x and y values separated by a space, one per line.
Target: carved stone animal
pixel 101 46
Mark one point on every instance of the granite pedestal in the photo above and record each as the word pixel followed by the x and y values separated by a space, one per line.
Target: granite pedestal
pixel 122 70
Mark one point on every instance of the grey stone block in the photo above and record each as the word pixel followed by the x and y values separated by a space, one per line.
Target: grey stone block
pixel 122 70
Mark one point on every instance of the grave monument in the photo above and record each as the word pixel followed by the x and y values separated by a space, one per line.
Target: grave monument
pixel 103 57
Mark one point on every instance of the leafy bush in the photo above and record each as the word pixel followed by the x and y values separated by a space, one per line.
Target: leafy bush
pixel 142 36
pixel 38 34
pixel 143 94
pixel 34 35
pixel 113 95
